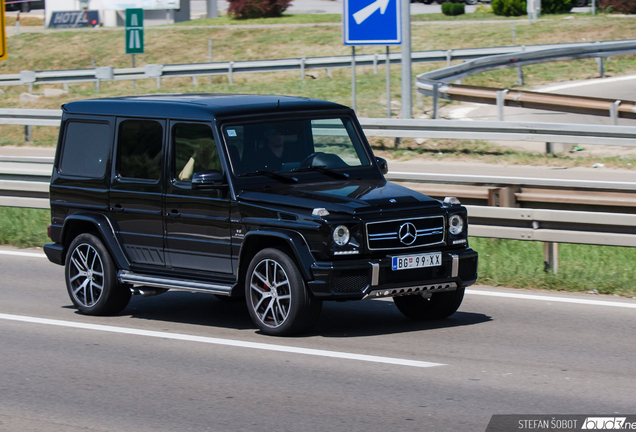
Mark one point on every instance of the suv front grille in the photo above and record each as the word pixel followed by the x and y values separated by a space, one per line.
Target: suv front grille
pixel 405 233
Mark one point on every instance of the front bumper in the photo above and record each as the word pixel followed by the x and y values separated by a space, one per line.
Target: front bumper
pixel 358 279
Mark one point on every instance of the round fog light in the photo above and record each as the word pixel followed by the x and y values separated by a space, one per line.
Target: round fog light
pixel 341 235
pixel 456 224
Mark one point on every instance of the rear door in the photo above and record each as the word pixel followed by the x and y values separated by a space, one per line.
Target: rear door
pixel 135 194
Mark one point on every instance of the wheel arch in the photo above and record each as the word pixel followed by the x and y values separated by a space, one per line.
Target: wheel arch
pixel 99 225
pixel 256 241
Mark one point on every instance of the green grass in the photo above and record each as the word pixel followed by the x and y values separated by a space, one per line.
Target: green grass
pixel 582 268
pixel 23 227
pixel 508 263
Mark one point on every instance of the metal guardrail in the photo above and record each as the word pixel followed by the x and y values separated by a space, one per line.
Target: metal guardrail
pixel 436 83
pixel 422 128
pixel 553 226
pixel 109 73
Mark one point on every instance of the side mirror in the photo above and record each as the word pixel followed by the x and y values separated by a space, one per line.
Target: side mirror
pixel 208 179
pixel 384 166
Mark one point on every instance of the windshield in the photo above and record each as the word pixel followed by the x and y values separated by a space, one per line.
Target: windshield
pixel 293 145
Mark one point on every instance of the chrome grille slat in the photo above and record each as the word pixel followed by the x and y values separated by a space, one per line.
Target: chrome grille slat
pixel 384 235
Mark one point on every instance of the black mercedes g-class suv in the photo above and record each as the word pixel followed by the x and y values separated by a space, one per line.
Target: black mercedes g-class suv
pixel 274 199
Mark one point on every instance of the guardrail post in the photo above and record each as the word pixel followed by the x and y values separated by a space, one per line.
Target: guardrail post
pixel 520 75
pixel 435 100
pixel 28 133
pixel 551 257
pixel 614 112
pixel 601 66
pixel 375 64
pixel 194 81
pixel 329 75
pixel 449 55
pixel 158 82
pixel 302 68
pixel 230 70
pixel 420 100
pixel 97 84
pixel 549 148
pixel 501 99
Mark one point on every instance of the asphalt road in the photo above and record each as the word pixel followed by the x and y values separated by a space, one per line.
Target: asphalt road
pixel 167 364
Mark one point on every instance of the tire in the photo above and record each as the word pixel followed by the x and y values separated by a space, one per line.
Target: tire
pixel 440 305
pixel 470 2
pixel 580 3
pixel 91 278
pixel 289 309
pixel 427 2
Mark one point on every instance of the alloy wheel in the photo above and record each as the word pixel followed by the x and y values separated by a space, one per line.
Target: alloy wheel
pixel 86 275
pixel 270 293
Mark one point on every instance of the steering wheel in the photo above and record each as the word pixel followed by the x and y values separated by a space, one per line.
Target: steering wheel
pixel 308 161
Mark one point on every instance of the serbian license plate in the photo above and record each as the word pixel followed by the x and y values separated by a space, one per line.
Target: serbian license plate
pixel 405 262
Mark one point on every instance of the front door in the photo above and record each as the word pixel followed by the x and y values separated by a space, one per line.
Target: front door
pixel 135 195
pixel 197 221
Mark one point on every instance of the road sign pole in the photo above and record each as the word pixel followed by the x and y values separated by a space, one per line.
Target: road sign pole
pixel 388 83
pixel 353 77
pixel 133 65
pixel 3 35
pixel 407 99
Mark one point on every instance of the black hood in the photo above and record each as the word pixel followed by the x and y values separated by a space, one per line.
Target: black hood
pixel 344 197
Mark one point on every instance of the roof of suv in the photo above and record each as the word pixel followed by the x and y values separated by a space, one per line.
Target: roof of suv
pixel 197 106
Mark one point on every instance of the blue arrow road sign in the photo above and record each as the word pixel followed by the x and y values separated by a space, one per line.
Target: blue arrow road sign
pixel 372 22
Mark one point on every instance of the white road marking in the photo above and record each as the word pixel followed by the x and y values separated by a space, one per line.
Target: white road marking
pixel 24 254
pixel 552 299
pixel 217 341
pixel 557 87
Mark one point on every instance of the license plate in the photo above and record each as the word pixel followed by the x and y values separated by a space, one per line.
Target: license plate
pixel 405 262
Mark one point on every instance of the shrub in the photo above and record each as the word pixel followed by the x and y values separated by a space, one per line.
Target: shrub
pixel 556 6
pixel 621 6
pixel 509 7
pixel 453 9
pixel 482 9
pixel 244 9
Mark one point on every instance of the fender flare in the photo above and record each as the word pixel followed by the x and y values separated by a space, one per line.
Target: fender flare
pixel 295 241
pixel 105 229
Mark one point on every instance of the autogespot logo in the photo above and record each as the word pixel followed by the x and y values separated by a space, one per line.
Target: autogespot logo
pixel 605 423
pixel 407 233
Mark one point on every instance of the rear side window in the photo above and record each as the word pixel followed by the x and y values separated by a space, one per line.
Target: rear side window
pixel 86 149
pixel 140 143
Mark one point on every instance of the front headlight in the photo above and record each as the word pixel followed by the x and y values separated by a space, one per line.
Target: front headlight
pixel 455 224
pixel 341 235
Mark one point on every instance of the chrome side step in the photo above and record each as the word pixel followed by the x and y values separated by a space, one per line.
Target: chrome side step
pixel 129 277
pixel 424 290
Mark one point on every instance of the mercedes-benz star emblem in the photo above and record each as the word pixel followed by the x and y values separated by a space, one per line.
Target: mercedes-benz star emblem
pixel 407 233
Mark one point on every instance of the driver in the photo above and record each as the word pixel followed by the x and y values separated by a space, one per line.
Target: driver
pixel 272 155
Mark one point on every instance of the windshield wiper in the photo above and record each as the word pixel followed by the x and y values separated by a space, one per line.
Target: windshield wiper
pixel 271 174
pixel 323 169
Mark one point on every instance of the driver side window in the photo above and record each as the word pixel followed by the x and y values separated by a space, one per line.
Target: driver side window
pixel 194 150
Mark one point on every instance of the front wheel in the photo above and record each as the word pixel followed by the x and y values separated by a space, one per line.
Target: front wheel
pixel 438 306
pixel 277 298
pixel 471 2
pixel 91 278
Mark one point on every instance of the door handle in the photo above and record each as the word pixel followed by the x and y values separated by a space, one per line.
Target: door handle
pixel 118 208
pixel 173 214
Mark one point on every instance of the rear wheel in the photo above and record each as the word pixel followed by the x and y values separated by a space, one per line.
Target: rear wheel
pixel 91 278
pixel 438 306
pixel 277 298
